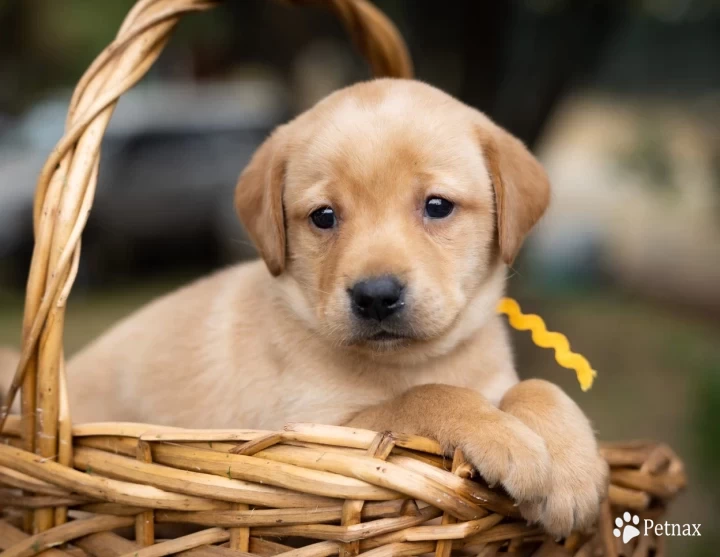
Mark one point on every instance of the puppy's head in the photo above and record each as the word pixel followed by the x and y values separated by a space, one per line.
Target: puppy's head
pixel 389 211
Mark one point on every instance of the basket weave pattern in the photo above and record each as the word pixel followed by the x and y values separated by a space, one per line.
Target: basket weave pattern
pixel 308 491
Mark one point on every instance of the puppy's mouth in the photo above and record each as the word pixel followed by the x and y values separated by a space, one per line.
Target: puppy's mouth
pixel 384 336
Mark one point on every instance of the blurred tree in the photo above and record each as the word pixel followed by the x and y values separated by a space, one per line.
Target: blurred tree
pixel 509 59
pixel 10 44
pixel 514 60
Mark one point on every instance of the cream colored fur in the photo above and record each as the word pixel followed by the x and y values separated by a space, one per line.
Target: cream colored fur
pixel 265 343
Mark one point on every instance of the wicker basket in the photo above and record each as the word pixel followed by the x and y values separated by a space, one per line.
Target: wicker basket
pixel 308 491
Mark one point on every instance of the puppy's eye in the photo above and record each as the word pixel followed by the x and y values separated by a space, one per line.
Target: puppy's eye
pixel 324 218
pixel 438 208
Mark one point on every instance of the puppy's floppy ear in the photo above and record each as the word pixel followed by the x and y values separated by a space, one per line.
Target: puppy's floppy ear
pixel 522 189
pixel 258 201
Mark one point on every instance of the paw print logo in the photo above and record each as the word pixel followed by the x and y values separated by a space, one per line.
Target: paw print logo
pixel 627 527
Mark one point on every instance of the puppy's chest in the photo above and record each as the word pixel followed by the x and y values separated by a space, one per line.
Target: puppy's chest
pixel 306 382
pixel 333 395
pixel 318 396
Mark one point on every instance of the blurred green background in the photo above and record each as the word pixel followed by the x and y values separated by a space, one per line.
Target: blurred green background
pixel 620 100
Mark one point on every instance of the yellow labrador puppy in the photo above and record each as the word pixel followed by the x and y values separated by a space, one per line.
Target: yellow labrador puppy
pixel 386 217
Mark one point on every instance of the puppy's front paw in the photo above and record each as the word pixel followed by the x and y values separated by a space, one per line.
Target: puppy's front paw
pixel 511 454
pixel 578 476
pixel 578 483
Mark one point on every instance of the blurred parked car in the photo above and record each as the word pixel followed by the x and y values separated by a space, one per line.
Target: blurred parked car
pixel 170 159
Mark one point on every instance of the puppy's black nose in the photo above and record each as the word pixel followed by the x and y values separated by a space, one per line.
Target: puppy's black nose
pixel 377 298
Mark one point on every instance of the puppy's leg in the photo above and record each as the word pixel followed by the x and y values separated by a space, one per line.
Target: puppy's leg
pixel 578 476
pixel 499 445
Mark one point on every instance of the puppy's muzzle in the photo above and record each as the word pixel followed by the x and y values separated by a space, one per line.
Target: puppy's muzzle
pixel 376 299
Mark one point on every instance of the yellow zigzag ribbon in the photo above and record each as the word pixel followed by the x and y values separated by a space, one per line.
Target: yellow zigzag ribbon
pixel 548 339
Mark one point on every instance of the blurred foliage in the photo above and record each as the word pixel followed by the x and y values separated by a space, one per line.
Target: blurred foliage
pixel 78 26
pixel 707 424
pixel 45 44
pixel 707 421
pixel 507 58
